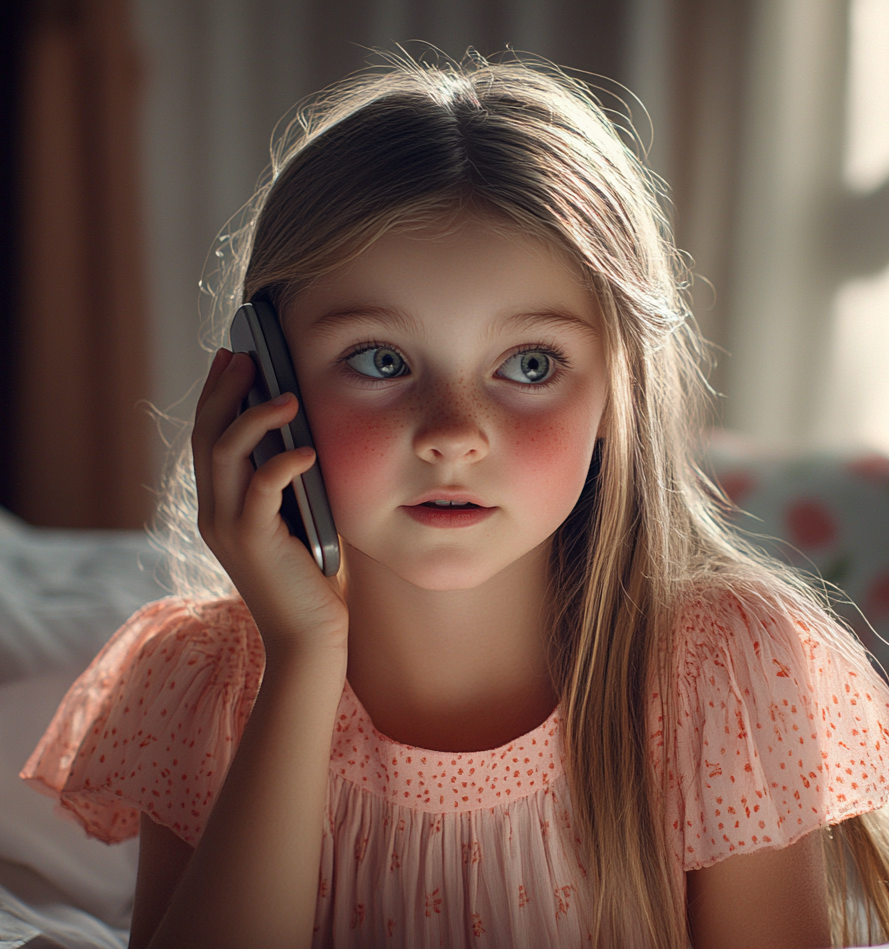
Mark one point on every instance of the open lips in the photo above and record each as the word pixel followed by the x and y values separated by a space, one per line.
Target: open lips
pixel 448 512
pixel 450 504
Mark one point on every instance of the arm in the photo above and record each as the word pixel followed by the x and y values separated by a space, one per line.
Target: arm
pixel 770 898
pixel 163 858
pixel 253 878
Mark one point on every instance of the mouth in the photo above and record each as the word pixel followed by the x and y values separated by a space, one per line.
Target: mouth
pixel 450 505
pixel 461 510
pixel 447 499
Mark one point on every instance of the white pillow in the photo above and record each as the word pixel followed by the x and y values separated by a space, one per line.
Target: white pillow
pixel 96 877
pixel 42 919
pixel 64 592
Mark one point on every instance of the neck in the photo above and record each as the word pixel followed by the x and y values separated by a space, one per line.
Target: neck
pixel 459 670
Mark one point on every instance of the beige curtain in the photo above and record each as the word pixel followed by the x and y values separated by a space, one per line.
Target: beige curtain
pixel 759 117
pixel 706 75
pixel 80 438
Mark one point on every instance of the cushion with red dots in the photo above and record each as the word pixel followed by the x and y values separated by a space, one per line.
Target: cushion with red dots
pixel 828 513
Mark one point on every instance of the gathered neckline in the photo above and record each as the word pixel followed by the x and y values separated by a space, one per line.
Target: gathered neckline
pixel 442 781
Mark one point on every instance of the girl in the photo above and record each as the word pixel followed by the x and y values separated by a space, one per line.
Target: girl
pixel 549 700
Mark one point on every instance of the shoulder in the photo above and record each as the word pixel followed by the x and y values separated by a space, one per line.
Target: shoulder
pixel 773 722
pixel 772 653
pixel 174 618
pixel 171 646
pixel 170 691
pixel 723 632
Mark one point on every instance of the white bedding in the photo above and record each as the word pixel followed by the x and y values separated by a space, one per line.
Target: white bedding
pixel 62 594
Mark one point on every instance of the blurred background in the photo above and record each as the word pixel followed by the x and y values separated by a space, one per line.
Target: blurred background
pixel 132 130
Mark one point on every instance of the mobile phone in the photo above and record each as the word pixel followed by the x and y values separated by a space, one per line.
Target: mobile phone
pixel 256 330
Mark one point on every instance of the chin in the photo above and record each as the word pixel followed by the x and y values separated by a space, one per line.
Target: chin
pixel 443 574
pixel 439 571
pixel 443 582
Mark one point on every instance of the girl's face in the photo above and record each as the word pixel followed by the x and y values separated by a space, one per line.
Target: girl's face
pixel 462 366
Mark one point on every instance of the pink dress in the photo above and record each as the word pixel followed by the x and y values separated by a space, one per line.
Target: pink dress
pixel 781 729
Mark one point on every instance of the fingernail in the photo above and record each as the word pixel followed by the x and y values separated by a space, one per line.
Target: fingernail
pixel 282 399
pixel 304 451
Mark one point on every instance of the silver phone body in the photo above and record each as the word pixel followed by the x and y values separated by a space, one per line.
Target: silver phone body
pixel 256 330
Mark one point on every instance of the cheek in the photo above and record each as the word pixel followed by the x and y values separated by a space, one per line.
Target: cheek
pixel 544 458
pixel 355 449
pixel 548 459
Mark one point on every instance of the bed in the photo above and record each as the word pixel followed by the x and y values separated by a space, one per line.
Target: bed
pixel 62 594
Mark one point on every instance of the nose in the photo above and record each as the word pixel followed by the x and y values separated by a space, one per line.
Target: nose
pixel 450 428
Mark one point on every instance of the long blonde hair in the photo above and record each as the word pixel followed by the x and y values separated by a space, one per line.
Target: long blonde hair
pixel 408 144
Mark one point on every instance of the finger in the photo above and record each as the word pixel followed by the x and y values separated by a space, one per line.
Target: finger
pixel 226 388
pixel 219 408
pixel 232 468
pixel 262 501
pixel 220 363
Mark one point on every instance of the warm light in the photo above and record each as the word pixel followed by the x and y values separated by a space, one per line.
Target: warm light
pixel 859 404
pixel 867 106
pixel 860 410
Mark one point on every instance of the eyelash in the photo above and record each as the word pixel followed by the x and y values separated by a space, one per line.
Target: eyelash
pixel 549 349
pixel 552 352
pixel 364 348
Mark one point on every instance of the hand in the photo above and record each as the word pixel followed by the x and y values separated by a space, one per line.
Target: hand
pixel 292 602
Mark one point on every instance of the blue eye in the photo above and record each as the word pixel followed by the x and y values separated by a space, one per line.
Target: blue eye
pixel 529 367
pixel 378 362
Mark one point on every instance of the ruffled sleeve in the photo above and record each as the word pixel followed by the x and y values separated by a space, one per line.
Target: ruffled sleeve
pixel 780 727
pixel 153 723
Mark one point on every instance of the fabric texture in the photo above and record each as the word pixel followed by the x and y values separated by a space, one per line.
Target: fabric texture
pixel 780 729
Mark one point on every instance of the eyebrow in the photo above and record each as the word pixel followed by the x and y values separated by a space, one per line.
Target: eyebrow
pixel 328 322
pixel 392 316
pixel 554 317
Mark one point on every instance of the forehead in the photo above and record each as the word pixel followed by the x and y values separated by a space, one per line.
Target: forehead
pixel 482 268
